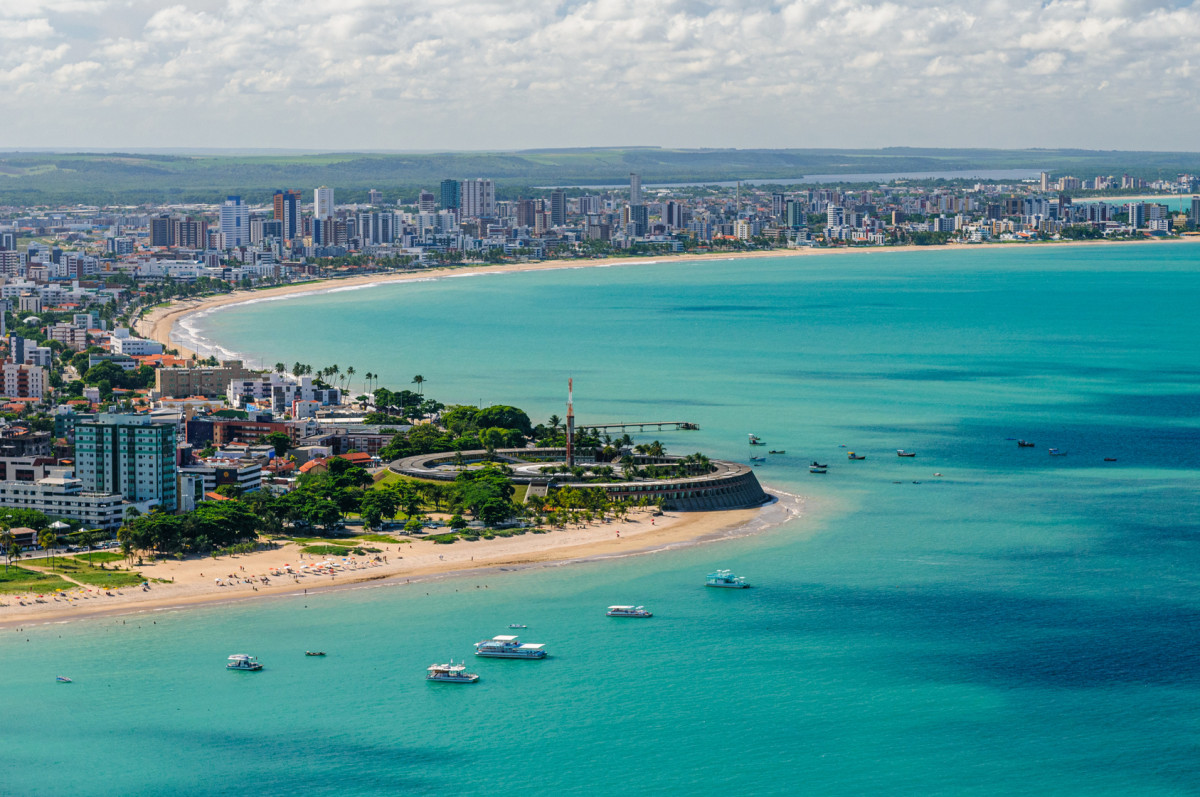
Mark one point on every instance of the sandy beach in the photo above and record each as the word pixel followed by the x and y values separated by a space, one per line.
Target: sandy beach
pixel 197 581
pixel 160 322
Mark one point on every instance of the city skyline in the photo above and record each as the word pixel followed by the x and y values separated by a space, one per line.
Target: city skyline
pixel 224 73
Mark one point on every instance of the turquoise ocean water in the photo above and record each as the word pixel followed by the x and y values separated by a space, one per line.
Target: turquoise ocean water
pixel 1021 625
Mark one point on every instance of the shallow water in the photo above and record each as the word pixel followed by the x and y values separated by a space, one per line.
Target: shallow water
pixel 1021 624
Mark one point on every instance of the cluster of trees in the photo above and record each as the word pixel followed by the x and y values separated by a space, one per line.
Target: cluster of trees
pixel 463 428
pixel 213 525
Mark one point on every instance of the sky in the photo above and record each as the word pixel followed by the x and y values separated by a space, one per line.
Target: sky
pixel 518 74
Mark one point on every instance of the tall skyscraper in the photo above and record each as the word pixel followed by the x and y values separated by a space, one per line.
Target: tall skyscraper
pixel 450 195
pixel 426 202
pixel 160 230
pixel 286 206
pixel 323 203
pixel 1194 213
pixel 835 216
pixel 235 222
pixel 796 218
pixel 127 454
pixel 558 208
pixel 1137 214
pixel 635 189
pixel 777 205
pixel 478 198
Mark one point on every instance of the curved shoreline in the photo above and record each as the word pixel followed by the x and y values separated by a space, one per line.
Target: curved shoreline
pixel 690 529
pixel 159 324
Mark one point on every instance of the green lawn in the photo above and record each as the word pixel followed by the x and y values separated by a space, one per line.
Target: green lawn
pixel 88 573
pixel 18 579
pixel 96 557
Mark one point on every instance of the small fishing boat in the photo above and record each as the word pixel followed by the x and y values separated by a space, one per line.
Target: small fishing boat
pixel 1054 452
pixel 854 456
pixel 314 653
pixel 815 469
pixel 754 441
pixel 816 464
pixel 773 451
pixel 1110 459
pixel 900 452
pixel 240 661
pixel 1024 444
pixel 758 459
pixel 62 679
pixel 517 625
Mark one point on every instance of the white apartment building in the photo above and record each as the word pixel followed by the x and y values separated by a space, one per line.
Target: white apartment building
pixel 24 381
pixel 280 390
pixel 62 496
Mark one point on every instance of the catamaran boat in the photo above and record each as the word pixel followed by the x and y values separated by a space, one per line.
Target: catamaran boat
pixel 451 673
pixel 509 647
pixel 900 452
pixel 240 661
pixel 628 611
pixel 726 579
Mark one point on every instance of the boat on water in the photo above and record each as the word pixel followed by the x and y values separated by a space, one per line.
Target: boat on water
pixel 754 441
pixel 815 469
pixel 725 579
pixel 62 679
pixel 852 455
pixel 900 452
pixel 1110 459
pixel 816 464
pixel 314 653
pixel 1024 444
pixel 758 459
pixel 517 625
pixel 1054 452
pixel 627 611
pixel 509 647
pixel 780 451
pixel 450 673
pixel 240 661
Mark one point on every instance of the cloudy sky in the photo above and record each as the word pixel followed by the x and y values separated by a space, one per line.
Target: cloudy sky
pixel 486 74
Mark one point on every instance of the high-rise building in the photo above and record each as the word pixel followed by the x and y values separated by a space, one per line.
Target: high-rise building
pixel 1137 214
pixel 477 198
pixel 796 216
pixel 558 208
pixel 323 203
pixel 639 217
pixel 160 230
pixel 8 241
pixel 451 194
pixel 635 189
pixel 375 228
pixel 286 205
pixel 525 210
pixel 1194 213
pixel 835 216
pixel 374 197
pixel 127 454
pixel 777 205
pixel 235 222
pixel 1045 181
pixel 188 233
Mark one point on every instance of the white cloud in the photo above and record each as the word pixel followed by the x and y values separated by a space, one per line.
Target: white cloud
pixel 493 73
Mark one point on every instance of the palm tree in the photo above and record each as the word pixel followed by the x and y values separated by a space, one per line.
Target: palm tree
pixel 419 380
pixel 280 368
pixel 349 373
pixel 554 421
pixel 47 539
pixel 8 541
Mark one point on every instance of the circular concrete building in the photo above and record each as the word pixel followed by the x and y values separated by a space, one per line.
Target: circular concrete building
pixel 725 485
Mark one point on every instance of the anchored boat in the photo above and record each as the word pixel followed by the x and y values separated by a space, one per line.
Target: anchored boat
pixel 902 453
pixel 725 579
pixel 450 673
pixel 240 661
pixel 628 611
pixel 509 647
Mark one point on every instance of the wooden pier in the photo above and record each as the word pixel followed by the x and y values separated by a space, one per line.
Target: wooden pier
pixel 642 426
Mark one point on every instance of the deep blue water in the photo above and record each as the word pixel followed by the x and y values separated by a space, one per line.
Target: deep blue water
pixel 1021 624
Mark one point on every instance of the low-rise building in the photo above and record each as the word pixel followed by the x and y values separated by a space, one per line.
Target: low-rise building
pixel 62 496
pixel 207 381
